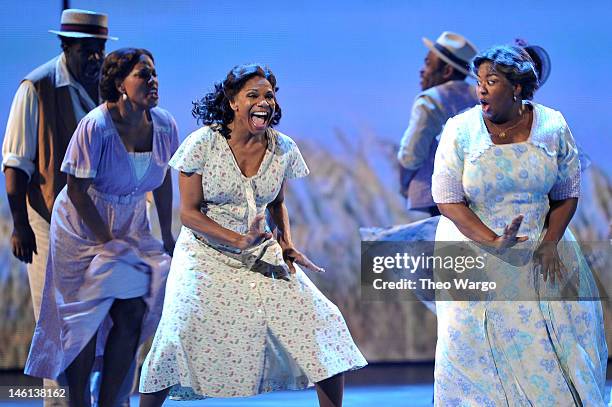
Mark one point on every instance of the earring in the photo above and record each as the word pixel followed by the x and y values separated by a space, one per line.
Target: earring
pixel 514 98
pixel 124 96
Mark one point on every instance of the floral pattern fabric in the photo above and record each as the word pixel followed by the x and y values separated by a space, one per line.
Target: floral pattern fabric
pixel 229 328
pixel 515 353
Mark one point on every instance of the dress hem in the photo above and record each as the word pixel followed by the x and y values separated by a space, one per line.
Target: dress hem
pixel 264 390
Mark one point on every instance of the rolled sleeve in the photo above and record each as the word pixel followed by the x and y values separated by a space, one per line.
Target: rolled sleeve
pixel 20 138
pixel 191 155
pixel 422 130
pixel 446 183
pixel 296 166
pixel 174 138
pixel 567 184
pixel 84 150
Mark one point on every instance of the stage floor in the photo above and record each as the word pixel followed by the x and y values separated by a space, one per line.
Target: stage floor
pixel 387 384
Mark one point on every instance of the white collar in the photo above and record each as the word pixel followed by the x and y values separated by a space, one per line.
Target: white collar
pixel 544 131
pixel 64 78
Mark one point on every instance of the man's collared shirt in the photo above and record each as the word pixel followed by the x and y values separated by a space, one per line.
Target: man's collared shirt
pixel 430 111
pixel 21 136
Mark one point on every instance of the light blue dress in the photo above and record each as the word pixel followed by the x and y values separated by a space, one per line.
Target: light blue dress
pixel 515 353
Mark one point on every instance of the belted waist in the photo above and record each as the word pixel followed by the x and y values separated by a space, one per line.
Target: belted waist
pixel 118 199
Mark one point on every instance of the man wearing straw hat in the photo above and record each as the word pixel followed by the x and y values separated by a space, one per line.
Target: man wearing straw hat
pixel 444 94
pixel 47 106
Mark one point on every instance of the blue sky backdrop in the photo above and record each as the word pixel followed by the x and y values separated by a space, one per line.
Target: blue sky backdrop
pixel 348 65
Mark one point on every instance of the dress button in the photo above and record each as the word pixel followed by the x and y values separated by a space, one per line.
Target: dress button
pixel 259 311
pixel 252 285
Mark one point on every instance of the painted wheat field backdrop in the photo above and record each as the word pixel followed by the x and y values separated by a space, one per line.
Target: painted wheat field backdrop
pixel 350 187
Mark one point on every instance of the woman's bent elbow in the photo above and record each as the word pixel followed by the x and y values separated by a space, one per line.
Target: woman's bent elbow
pixel 447 209
pixel 75 194
pixel 443 208
pixel 187 215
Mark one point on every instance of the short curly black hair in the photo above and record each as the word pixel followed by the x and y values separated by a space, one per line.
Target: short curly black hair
pixel 514 63
pixel 214 108
pixel 116 67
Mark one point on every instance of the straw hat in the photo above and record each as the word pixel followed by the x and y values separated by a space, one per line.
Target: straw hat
pixel 77 23
pixel 454 49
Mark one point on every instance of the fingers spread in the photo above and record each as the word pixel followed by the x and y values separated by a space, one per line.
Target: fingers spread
pixel 562 270
pixel 256 224
pixel 557 268
pixel 305 261
pixel 514 226
pixel 290 265
pixel 552 270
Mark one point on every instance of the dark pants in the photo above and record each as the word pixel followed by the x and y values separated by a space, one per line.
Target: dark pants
pixel 432 210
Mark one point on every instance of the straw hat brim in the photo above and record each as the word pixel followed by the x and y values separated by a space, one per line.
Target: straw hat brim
pixel 73 34
pixel 430 44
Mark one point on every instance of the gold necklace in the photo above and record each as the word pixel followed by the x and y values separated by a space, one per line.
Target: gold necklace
pixel 504 133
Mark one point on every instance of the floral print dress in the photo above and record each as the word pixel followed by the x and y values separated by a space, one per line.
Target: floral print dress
pixel 230 327
pixel 515 352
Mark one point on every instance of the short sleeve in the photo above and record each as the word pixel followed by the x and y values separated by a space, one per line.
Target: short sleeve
pixel 296 166
pixel 174 139
pixel 84 150
pixel 567 184
pixel 191 154
pixel 446 183
pixel 21 137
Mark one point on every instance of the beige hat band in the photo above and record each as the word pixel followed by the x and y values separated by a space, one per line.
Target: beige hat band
pixel 464 64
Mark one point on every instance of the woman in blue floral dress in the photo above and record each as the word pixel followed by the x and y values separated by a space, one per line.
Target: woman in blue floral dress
pixel 507 175
pixel 240 317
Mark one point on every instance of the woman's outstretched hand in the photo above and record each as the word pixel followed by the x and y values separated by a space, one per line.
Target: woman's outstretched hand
pixel 509 238
pixel 546 261
pixel 291 255
pixel 255 235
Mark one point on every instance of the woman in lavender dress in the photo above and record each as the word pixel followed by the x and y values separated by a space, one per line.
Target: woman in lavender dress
pixel 106 273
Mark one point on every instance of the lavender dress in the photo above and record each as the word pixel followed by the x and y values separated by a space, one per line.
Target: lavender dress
pixel 84 277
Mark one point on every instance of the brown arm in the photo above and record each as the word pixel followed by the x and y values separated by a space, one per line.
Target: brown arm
pixel 190 186
pixel 23 241
pixel 474 229
pixel 77 192
pixel 163 202
pixel 559 217
pixel 280 217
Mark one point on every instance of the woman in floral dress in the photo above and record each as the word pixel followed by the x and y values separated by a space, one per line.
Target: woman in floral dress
pixel 507 175
pixel 240 316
